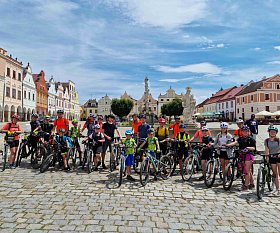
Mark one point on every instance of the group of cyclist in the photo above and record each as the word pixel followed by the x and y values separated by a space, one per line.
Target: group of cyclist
pixel 142 135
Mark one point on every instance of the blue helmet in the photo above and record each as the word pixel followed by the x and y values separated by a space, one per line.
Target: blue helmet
pixel 128 132
pixel 182 126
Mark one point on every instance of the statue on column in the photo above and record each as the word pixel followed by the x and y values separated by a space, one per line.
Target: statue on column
pixel 188 105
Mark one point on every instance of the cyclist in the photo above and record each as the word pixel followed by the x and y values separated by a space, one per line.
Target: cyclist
pixel 61 122
pixel 142 129
pixel 65 143
pixel 98 138
pixel 183 139
pixel 100 122
pixel 89 124
pixel 272 146
pixel 222 139
pixel 130 145
pixel 13 128
pixel 162 133
pixel 35 128
pixel 207 141
pixel 253 125
pixel 74 133
pixel 135 124
pixel 199 134
pixel 238 133
pixel 109 132
pixel 46 128
pixel 152 143
pixel 248 145
pixel 175 126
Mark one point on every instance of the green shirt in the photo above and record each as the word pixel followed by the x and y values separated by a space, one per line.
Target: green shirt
pixel 74 132
pixel 130 144
pixel 152 146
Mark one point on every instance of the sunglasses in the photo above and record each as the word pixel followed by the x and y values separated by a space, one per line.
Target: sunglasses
pixel 204 130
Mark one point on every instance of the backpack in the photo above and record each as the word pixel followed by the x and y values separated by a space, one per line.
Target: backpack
pixel 276 139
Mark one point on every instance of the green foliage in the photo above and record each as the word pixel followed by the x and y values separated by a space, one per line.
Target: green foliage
pixel 173 108
pixel 121 107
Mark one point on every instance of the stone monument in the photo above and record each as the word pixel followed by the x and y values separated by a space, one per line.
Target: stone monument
pixel 189 107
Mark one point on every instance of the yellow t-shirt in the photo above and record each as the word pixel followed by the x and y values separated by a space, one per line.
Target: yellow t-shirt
pixel 162 132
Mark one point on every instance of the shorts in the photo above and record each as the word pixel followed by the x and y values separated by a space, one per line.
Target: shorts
pixel 248 157
pixel 97 150
pixel 129 161
pixel 274 160
pixel 223 155
pixel 14 144
pixel 76 143
pixel 33 141
pixel 105 146
pixel 206 153
pixel 64 150
pixel 182 153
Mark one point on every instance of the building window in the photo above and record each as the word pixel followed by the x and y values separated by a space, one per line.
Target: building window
pixel 278 96
pixel 14 74
pixel 90 111
pixel 167 99
pixel 278 86
pixel 267 108
pixel 8 92
pixel 155 108
pixel 226 104
pixel 19 77
pixel 222 105
pixel 14 93
pixel 24 94
pixel 242 109
pixel 278 108
pixel 19 95
pixel 8 72
pixel 29 95
pixel 161 100
pixel 219 106
pixel 237 100
pixel 252 97
pixel 243 99
pixel 252 109
pixel 231 104
pixel 238 110
pixel 33 97
pixel 266 96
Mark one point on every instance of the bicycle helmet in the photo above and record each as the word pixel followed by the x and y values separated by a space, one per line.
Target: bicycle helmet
pixel 100 117
pixel 111 116
pixel 16 116
pixel 92 115
pixel 204 128
pixel 182 126
pixel 177 118
pixel 97 126
pixel 35 115
pixel 135 114
pixel 60 111
pixel 239 121
pixel 128 132
pixel 245 128
pixel 143 116
pixel 224 125
pixel 47 117
pixel 62 130
pixel 272 127
pixel 203 123
pixel 161 120
pixel 150 131
pixel 74 121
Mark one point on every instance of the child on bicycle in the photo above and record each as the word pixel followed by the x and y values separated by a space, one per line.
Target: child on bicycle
pixel 65 143
pixel 207 141
pixel 183 139
pixel 272 146
pixel 130 146
pixel 74 133
pixel 152 143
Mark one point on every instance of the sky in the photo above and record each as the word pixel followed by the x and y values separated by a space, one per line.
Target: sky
pixel 109 46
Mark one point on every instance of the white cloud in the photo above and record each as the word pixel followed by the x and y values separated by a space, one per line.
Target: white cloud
pixel 257 49
pixel 204 67
pixel 158 13
pixel 274 63
pixel 170 80
pixel 277 47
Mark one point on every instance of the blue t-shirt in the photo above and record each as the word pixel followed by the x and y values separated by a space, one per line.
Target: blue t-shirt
pixel 253 125
pixel 34 125
pixel 142 129
pixel 63 141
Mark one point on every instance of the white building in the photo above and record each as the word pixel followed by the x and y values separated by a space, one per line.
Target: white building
pixel 29 94
pixel 166 98
pixel 59 96
pixel 104 105
pixel 66 104
pixel 51 97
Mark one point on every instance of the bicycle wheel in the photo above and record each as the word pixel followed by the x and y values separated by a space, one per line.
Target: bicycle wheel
pixel 70 156
pixel 4 158
pixel 188 168
pixel 121 170
pixel 84 159
pixel 145 172
pixel 89 161
pixel 210 174
pixel 46 163
pixel 112 160
pixel 165 167
pixel 137 163
pixel 260 182
pixel 173 160
pixel 228 176
pixel 38 156
pixel 270 179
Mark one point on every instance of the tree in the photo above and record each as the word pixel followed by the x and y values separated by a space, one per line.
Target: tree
pixel 173 108
pixel 121 107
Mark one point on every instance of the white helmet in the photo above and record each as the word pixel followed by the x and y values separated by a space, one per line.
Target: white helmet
pixel 239 121
pixel 224 125
pixel 204 128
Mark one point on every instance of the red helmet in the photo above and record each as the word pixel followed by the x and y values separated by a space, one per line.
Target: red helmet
pixel 161 120
pixel 15 116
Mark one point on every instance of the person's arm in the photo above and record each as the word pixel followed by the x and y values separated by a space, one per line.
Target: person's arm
pixel 5 128
pixel 143 144
pixel 257 127
pixel 54 126
pixel 266 150
pixel 232 144
pixel 158 147
pixel 118 132
pixel 194 136
pixel 102 140
pixel 84 126
pixel 19 129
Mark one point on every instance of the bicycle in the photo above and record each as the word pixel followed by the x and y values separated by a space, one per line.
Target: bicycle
pixel 265 176
pixel 72 154
pixel 234 169
pixel 5 154
pixel 192 163
pixel 115 154
pixel 172 153
pixel 88 155
pixel 162 166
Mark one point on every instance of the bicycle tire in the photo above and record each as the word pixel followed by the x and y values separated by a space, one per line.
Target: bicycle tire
pixel 260 182
pixel 188 168
pixel 210 174
pixel 172 157
pixel 5 155
pixel 145 172
pixel 270 179
pixel 46 163
pixel 37 160
pixel 70 155
pixel 19 155
pixel 112 160
pixel 136 168
pixel 121 170
pixel 228 178
pixel 165 167
pixel 89 161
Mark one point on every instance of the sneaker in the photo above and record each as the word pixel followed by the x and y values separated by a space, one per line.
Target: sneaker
pixel 95 169
pixel 277 193
pixel 201 178
pixel 130 178
pixel 104 166
pixel 98 164
pixel 251 186
pixel 12 166
pixel 244 188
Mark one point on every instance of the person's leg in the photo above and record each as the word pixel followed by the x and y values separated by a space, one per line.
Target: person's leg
pixel 275 174
pixel 12 155
pixel 107 144
pixel 248 165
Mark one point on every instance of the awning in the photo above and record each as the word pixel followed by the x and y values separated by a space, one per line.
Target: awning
pixel 264 113
pixel 209 114
pixel 276 113
pixel 197 114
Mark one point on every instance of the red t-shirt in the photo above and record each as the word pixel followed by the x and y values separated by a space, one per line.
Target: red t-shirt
pixel 13 128
pixel 239 133
pixel 135 126
pixel 175 128
pixel 199 134
pixel 61 123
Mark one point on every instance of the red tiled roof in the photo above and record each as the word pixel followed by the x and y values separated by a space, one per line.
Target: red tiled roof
pixel 35 77
pixel 222 92
pixel 232 93
pixel 213 100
